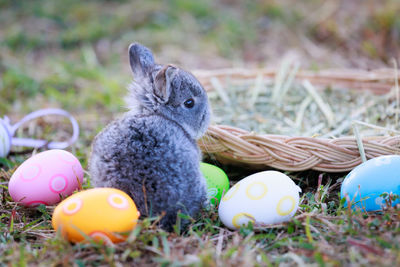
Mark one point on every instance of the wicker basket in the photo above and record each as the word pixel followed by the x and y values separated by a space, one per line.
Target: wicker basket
pixel 299 153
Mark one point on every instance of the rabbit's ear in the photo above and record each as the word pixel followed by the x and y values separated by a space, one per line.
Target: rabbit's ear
pixel 162 82
pixel 141 60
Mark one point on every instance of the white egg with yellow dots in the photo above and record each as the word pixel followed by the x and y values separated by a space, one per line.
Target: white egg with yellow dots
pixel 267 197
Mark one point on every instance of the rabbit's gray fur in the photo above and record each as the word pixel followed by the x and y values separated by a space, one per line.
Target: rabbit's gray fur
pixel 151 152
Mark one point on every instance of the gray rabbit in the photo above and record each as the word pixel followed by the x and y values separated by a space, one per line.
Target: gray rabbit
pixel 151 152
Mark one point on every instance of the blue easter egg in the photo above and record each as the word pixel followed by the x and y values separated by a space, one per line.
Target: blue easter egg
pixel 367 182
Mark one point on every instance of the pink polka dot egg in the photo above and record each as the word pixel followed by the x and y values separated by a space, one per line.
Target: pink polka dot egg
pixel 45 178
pixel 102 214
pixel 263 198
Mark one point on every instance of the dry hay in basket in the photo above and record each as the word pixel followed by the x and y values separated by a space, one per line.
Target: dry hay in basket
pixel 280 119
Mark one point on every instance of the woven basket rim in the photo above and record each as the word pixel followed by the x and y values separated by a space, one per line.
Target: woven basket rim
pixel 296 153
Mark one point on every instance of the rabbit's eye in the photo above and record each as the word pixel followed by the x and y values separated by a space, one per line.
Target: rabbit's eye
pixel 189 103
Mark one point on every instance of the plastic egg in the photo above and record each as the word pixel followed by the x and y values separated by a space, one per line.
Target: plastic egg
pixel 44 177
pixel 368 181
pixel 217 182
pixel 5 140
pixel 100 213
pixel 263 198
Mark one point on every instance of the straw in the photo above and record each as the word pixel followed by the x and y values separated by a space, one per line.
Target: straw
pixel 311 128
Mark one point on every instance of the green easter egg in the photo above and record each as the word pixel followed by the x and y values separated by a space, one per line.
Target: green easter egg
pixel 217 181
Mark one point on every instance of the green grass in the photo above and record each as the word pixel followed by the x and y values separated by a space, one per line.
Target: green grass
pixel 72 54
pixel 322 232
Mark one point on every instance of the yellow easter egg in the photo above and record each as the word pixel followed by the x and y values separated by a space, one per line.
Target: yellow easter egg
pixel 100 213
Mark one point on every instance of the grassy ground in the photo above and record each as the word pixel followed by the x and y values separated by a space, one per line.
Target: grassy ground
pixel 72 54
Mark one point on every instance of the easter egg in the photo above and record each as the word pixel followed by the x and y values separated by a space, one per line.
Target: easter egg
pixel 365 184
pixel 5 140
pixel 44 177
pixel 263 198
pixel 217 182
pixel 100 213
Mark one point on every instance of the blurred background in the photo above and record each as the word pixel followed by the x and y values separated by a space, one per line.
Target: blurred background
pixel 73 54
pixel 56 48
